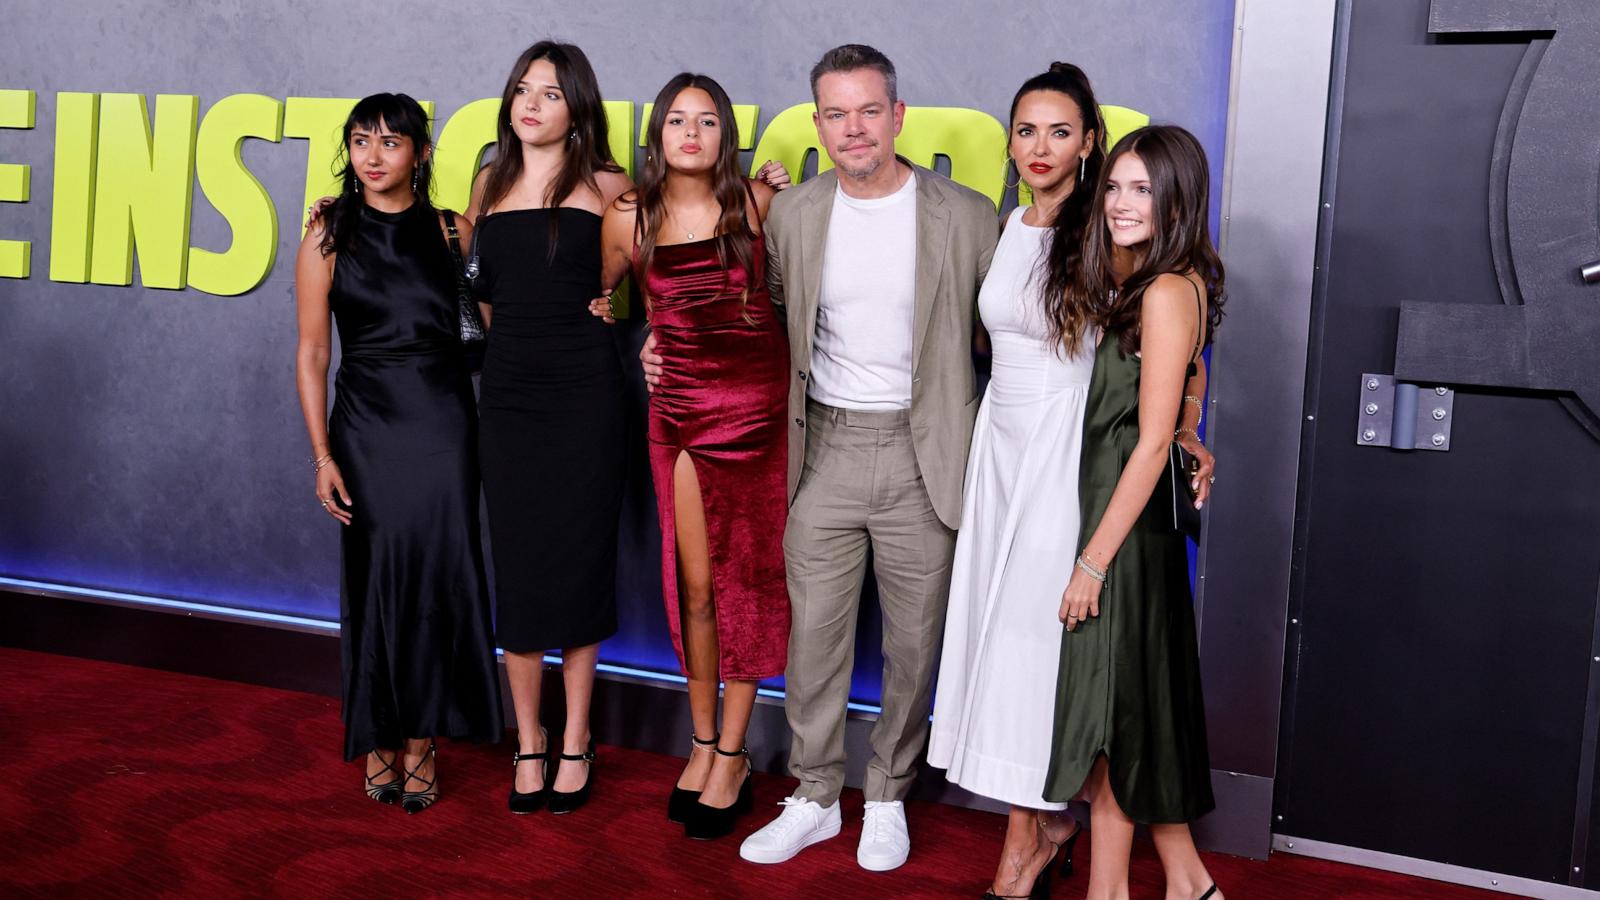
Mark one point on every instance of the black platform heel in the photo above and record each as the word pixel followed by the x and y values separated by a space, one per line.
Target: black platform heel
pixel 416 801
pixel 563 802
pixel 707 823
pixel 389 791
pixel 523 802
pixel 680 803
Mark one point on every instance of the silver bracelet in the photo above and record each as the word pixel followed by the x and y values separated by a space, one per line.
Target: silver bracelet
pixel 1096 574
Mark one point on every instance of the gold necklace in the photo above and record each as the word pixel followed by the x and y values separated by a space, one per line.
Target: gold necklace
pixel 675 221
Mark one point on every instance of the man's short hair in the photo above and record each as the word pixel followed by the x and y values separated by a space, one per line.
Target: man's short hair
pixel 849 58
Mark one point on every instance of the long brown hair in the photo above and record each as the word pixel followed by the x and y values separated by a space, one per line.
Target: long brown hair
pixel 1180 182
pixel 588 147
pixel 732 234
pixel 1065 320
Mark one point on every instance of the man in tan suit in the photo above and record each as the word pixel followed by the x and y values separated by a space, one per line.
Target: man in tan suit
pixel 877 264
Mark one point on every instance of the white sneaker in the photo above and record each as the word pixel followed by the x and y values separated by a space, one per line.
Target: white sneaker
pixel 885 843
pixel 801 824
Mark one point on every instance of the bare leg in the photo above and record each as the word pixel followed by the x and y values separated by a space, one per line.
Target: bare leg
pixel 525 672
pixel 1110 838
pixel 577 675
pixel 1187 877
pixel 728 772
pixel 697 615
pixel 1023 856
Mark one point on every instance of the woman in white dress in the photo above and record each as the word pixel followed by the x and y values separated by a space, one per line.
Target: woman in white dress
pixel 994 704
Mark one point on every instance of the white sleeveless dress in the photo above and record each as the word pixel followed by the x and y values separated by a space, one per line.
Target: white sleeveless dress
pixel 995 699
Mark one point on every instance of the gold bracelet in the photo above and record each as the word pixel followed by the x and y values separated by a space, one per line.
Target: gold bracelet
pixel 319 462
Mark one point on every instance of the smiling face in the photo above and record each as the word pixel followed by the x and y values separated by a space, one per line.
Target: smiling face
pixel 1130 203
pixel 1048 139
pixel 539 111
pixel 691 134
pixel 856 121
pixel 382 160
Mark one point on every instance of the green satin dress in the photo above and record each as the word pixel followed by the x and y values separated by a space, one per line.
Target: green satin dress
pixel 1129 680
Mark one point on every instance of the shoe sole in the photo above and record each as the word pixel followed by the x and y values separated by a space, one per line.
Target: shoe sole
pixel 815 837
pixel 871 867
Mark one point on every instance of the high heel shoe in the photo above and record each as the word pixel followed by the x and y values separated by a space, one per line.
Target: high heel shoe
pixel 416 801
pixel 1209 891
pixel 707 823
pixel 523 802
pixel 389 791
pixel 1041 882
pixel 563 802
pixel 1066 851
pixel 680 803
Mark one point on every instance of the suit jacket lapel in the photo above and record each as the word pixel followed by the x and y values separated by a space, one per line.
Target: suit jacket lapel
pixel 814 241
pixel 933 232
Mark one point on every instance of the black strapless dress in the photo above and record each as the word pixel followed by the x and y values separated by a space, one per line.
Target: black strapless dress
pixel 553 421
pixel 413 600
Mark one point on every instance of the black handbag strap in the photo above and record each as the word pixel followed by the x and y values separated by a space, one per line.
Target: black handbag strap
pixel 454 235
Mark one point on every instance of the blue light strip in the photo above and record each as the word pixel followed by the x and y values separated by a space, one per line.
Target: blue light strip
pixel 184 606
pixel 322 625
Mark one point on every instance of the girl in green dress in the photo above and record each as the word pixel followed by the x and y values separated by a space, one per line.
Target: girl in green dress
pixel 1130 732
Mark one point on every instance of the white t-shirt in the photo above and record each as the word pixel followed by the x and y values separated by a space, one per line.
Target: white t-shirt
pixel 861 351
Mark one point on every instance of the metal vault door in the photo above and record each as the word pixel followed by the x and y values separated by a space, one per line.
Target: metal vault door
pixel 1442 698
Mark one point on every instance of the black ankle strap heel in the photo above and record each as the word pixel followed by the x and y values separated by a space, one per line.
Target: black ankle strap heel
pixel 563 802
pixel 680 803
pixel 524 802
pixel 708 823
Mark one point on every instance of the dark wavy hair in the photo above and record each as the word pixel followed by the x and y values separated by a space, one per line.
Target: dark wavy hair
pixel 1180 182
pixel 588 146
pixel 732 190
pixel 401 115
pixel 1066 320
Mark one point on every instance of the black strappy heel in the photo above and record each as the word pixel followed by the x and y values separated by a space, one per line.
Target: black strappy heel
pixel 707 823
pixel 417 801
pixel 681 802
pixel 563 802
pixel 524 802
pixel 1066 850
pixel 389 791
pixel 1209 891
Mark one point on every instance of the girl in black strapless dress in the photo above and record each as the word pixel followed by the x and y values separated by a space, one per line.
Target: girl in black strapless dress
pixel 552 404
pixel 396 462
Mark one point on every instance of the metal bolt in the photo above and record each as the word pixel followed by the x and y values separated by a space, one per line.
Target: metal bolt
pixel 1576 870
pixel 1369 435
pixel 1311 418
pixel 1494 881
pixel 1327 206
pixel 1441 391
pixel 1280 818
pixel 1372 384
pixel 1291 845
pixel 1438 440
pixel 1438 414
pixel 1294 621
pixel 1372 409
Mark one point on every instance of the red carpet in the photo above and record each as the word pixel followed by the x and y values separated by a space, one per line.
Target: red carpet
pixel 125 781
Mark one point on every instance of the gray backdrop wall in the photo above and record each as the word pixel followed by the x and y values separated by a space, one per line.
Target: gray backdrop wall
pixel 151 439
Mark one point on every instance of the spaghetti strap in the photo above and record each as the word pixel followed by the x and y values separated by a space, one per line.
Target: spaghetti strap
pixel 1199 328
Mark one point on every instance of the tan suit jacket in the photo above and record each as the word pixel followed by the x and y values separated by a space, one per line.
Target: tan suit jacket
pixel 956 233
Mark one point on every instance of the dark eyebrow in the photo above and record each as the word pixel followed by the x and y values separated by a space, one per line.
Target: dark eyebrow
pixel 553 87
pixel 683 112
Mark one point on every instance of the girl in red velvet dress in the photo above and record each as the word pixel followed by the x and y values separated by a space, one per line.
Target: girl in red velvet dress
pixel 690 234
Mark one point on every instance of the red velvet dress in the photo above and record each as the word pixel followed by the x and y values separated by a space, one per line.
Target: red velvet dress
pixel 723 399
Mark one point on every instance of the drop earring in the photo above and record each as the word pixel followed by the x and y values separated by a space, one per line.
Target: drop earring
pixel 415 174
pixel 1083 163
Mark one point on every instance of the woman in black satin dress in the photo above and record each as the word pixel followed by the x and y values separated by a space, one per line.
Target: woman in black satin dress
pixel 552 405
pixel 396 462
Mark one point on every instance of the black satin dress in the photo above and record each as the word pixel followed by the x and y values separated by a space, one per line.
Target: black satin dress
pixel 553 423
pixel 414 604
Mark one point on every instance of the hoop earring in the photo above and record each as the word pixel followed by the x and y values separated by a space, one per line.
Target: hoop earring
pixel 1011 165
